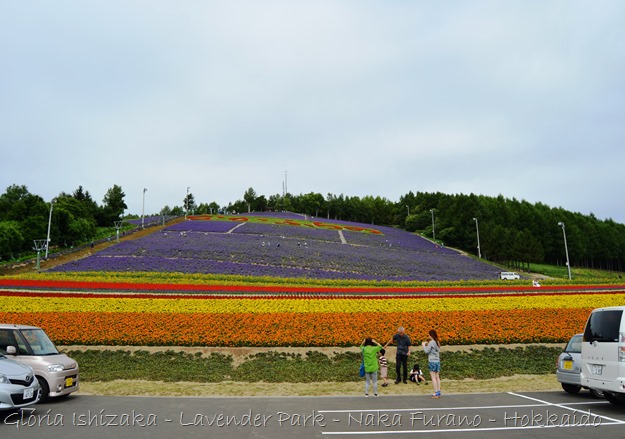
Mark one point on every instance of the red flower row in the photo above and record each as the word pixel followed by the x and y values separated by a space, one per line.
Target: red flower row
pixel 131 286
pixel 330 296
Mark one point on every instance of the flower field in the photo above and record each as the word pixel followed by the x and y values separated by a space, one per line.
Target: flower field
pixel 258 245
pixel 245 316
pixel 287 280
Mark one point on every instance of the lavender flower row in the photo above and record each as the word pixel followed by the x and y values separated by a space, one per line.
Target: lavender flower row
pixel 410 257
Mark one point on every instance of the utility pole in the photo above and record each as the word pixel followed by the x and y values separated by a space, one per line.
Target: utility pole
pixel 143 210
pixel 433 233
pixel 186 202
pixel 566 249
pixel 49 223
pixel 477 229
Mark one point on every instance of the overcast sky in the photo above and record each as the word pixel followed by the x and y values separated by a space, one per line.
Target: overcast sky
pixel 524 99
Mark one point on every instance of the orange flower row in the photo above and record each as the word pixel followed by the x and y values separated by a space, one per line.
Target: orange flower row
pixel 297 329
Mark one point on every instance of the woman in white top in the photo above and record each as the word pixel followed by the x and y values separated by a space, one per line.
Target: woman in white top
pixel 432 349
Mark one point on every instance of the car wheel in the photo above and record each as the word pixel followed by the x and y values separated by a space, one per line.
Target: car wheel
pixel 571 388
pixel 45 389
pixel 596 393
pixel 615 398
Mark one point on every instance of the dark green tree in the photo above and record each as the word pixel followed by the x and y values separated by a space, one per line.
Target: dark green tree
pixel 113 206
pixel 11 239
pixel 249 197
pixel 189 203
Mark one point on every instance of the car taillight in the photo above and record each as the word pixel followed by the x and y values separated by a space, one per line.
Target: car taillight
pixel 621 353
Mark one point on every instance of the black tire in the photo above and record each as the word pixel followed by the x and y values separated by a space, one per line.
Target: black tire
pixel 571 388
pixel 615 398
pixel 45 389
pixel 596 393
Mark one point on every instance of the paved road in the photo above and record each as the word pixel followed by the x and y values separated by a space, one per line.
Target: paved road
pixel 517 415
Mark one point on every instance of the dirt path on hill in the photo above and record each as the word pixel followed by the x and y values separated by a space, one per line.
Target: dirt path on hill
pixel 79 253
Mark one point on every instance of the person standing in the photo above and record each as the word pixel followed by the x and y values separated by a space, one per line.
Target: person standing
pixel 403 352
pixel 432 349
pixel 370 349
pixel 383 367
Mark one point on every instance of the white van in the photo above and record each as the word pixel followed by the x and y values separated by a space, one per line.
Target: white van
pixel 509 275
pixel 603 353
pixel 58 375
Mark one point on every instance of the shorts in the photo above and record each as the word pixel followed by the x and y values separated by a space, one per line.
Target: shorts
pixel 383 371
pixel 434 366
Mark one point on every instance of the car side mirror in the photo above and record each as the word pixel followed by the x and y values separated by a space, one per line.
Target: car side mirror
pixel 11 350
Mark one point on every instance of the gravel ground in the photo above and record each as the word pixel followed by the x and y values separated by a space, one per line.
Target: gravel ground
pixel 516 383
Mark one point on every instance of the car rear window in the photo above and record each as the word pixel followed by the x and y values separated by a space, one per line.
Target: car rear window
pixel 603 326
pixel 575 345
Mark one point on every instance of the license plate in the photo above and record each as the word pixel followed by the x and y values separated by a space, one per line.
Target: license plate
pixel 567 364
pixel 596 369
pixel 28 393
pixel 69 382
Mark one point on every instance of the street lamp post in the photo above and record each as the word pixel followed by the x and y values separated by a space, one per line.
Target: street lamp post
pixel 566 249
pixel 143 209
pixel 433 233
pixel 49 223
pixel 477 229
pixel 186 203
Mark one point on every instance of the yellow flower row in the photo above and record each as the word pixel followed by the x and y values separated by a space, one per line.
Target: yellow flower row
pixel 83 303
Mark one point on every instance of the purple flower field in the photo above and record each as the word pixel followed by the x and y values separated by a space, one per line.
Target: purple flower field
pixel 259 249
pixel 274 231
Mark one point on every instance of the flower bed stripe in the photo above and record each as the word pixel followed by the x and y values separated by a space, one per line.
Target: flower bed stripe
pixel 297 329
pixel 262 317
pixel 263 305
pixel 169 287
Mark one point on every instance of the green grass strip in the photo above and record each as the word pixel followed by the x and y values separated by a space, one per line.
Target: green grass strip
pixel 314 366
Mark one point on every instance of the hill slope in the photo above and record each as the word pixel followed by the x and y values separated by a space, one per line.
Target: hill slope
pixel 286 245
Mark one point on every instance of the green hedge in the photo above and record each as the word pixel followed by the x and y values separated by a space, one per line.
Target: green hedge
pixel 314 366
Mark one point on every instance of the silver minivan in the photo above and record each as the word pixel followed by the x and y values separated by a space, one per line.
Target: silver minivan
pixel 603 353
pixel 58 375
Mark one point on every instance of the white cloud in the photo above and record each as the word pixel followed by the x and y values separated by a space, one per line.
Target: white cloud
pixel 523 99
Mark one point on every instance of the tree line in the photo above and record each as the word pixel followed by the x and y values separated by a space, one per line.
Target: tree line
pixel 73 218
pixel 512 232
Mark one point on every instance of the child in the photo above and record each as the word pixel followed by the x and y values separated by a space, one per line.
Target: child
pixel 383 367
pixel 416 376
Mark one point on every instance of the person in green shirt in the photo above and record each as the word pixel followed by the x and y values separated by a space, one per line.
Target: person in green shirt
pixel 370 349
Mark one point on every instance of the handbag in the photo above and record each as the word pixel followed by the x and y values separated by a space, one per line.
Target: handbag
pixel 362 369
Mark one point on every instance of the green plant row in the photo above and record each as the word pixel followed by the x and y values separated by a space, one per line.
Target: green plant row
pixel 199 279
pixel 314 366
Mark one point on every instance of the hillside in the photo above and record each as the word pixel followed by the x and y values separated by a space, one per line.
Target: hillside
pixel 286 245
